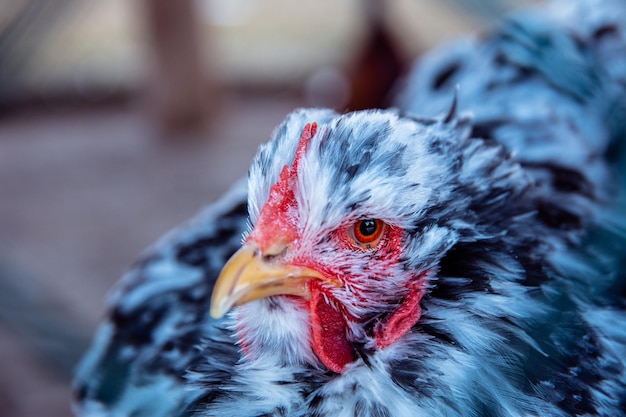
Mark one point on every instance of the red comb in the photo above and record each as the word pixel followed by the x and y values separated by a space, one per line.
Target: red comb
pixel 307 133
pixel 277 216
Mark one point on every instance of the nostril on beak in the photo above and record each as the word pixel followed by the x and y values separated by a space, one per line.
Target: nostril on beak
pixel 274 251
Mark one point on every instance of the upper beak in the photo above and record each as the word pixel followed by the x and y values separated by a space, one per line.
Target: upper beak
pixel 250 275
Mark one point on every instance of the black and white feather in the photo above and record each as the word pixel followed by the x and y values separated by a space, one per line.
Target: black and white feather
pixel 513 198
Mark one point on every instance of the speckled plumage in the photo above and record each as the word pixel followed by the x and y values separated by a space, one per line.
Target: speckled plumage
pixel 510 207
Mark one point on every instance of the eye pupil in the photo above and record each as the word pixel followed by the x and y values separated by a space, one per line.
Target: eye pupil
pixel 367 233
pixel 368 227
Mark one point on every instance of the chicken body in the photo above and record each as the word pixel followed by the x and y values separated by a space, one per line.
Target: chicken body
pixel 434 262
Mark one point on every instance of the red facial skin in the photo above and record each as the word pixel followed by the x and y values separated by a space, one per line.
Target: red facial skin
pixel 277 228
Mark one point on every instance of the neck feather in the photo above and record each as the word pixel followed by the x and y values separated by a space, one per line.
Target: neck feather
pixel 277 329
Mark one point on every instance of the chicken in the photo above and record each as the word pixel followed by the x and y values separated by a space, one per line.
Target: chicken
pixel 418 261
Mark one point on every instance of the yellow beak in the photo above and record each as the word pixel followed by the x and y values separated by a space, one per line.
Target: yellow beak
pixel 250 275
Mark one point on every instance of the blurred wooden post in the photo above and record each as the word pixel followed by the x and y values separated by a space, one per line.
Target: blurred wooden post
pixel 178 89
pixel 378 64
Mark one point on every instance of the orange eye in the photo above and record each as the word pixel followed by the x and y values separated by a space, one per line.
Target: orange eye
pixel 367 233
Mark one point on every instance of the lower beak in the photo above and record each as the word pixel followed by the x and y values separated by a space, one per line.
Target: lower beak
pixel 248 276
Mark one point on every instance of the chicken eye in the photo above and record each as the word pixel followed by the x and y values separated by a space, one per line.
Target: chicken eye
pixel 367 233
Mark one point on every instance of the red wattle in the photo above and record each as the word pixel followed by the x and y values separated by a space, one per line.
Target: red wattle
pixel 400 321
pixel 329 333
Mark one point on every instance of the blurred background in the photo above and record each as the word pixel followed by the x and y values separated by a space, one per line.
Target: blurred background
pixel 121 119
